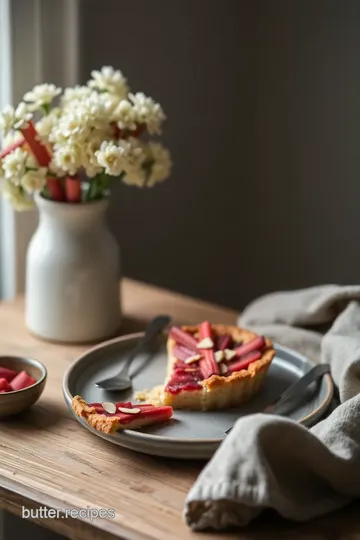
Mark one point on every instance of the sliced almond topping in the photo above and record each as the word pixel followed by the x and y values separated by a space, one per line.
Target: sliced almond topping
pixel 190 370
pixel 206 343
pixel 223 369
pixel 109 407
pixel 192 359
pixel 125 410
pixel 229 354
pixel 219 356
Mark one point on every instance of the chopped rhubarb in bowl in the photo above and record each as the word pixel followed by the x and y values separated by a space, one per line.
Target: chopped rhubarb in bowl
pixel 22 381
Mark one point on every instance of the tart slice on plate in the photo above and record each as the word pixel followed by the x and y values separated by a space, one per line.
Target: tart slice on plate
pixel 214 366
pixel 110 417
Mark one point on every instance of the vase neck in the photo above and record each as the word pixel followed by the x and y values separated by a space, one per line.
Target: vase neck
pixel 72 216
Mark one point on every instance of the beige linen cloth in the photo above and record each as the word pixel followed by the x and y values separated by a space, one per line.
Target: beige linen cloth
pixel 272 462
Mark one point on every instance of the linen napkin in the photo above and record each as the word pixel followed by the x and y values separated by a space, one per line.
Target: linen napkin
pixel 272 462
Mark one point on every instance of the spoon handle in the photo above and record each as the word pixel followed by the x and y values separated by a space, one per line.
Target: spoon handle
pixel 296 389
pixel 154 328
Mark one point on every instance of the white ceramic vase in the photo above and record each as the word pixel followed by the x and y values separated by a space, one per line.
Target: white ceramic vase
pixel 72 274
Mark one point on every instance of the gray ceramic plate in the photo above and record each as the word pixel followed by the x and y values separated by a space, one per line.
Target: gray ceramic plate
pixel 189 435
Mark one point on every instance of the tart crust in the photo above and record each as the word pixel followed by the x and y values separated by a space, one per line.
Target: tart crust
pixel 220 392
pixel 109 424
pixel 106 424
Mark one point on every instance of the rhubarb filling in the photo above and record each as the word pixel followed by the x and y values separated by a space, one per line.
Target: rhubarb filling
pixel 200 353
pixel 144 411
pixel 185 377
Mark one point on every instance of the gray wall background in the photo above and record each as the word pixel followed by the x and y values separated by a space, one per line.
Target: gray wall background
pixel 263 101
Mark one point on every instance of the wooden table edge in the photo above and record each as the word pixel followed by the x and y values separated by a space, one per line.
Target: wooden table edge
pixel 24 497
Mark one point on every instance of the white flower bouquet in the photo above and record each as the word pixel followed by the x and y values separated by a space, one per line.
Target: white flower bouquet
pixel 69 145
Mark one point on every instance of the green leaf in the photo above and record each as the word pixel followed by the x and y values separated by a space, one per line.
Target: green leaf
pixel 45 108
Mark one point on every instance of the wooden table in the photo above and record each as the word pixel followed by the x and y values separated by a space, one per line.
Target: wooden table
pixel 48 459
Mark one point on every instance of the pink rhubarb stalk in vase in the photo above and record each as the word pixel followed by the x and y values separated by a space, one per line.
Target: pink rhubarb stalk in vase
pixel 56 189
pixel 38 149
pixel 11 147
pixel 73 189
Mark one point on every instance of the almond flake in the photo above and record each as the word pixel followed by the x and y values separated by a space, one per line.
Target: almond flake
pixel 192 359
pixel 109 407
pixel 219 356
pixel 223 369
pixel 229 354
pixel 125 410
pixel 206 343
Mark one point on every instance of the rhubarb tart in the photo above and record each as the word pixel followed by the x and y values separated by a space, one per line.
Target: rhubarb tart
pixel 214 366
pixel 110 417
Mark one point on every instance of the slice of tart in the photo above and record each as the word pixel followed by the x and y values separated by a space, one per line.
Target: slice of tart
pixel 110 417
pixel 214 366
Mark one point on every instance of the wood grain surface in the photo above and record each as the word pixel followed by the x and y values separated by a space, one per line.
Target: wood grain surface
pixel 48 459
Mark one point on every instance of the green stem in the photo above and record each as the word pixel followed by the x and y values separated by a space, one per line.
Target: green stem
pixel 90 193
pixel 98 185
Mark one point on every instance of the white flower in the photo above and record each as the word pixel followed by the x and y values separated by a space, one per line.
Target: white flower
pixel 34 180
pixel 54 171
pixel 22 115
pixel 41 95
pixel 161 164
pixel 12 137
pixel 109 80
pixel 74 126
pixel 73 95
pixel 14 164
pixel 97 136
pixel 135 174
pixel 91 170
pixel 11 118
pixel 45 126
pixel 106 101
pixel 90 163
pixel 124 115
pixel 80 125
pixel 109 101
pixel 67 157
pixel 97 109
pixel 80 120
pixel 15 194
pixel 112 157
pixel 146 111
pixel 31 162
pixel 7 119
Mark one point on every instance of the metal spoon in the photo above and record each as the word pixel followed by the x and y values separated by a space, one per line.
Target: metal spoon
pixel 122 380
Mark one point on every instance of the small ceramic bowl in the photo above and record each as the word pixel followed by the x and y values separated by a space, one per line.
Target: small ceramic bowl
pixel 18 401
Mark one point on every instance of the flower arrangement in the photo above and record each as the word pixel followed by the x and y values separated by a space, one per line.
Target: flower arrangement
pixel 71 151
